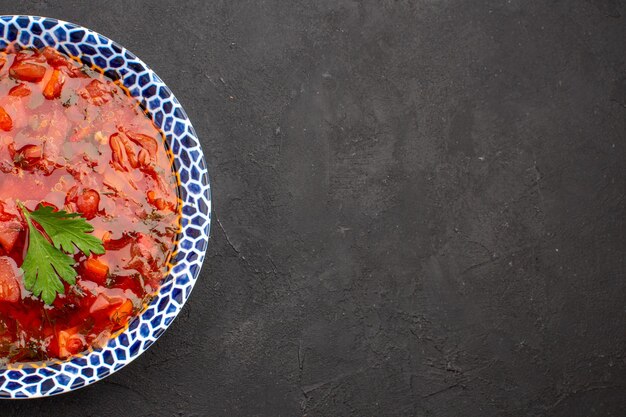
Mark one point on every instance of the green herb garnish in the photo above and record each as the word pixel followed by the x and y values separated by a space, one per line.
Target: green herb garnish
pixel 45 262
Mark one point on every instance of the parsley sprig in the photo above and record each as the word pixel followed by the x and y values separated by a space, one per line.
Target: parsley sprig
pixel 48 260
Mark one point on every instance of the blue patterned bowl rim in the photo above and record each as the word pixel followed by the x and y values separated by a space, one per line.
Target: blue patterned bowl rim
pixel 34 380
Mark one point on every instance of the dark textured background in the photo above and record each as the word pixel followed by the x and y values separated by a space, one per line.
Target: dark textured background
pixel 419 208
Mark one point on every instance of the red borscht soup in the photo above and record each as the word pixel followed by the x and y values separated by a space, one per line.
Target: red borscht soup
pixel 89 211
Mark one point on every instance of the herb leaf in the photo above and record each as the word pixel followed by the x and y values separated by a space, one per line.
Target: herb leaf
pixel 45 262
pixel 67 229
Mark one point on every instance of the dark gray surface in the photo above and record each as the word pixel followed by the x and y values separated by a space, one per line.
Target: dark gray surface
pixel 419 209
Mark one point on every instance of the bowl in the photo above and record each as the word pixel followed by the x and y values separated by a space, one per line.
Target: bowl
pixel 41 379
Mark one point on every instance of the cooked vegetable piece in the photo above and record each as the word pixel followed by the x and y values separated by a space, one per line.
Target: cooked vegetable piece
pixel 146 142
pixel 117 244
pixel 6 123
pixel 9 233
pixel 19 90
pixel 54 86
pixel 54 57
pixel 9 285
pixel 97 92
pixel 119 316
pixel 28 156
pixel 87 203
pixel 70 341
pixel 28 71
pixel 96 270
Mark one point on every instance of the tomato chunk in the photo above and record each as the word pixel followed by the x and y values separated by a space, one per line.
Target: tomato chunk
pixel 9 286
pixel 29 56
pixel 97 93
pixel 54 86
pixel 96 270
pixel 158 202
pixel 28 156
pixel 19 90
pixel 87 203
pixel 54 57
pixel 26 71
pixel 6 123
pixel 9 233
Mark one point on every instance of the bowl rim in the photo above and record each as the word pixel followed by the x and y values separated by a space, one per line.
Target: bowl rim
pixel 42 379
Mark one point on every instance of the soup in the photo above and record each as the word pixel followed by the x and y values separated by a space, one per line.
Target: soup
pixel 89 210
